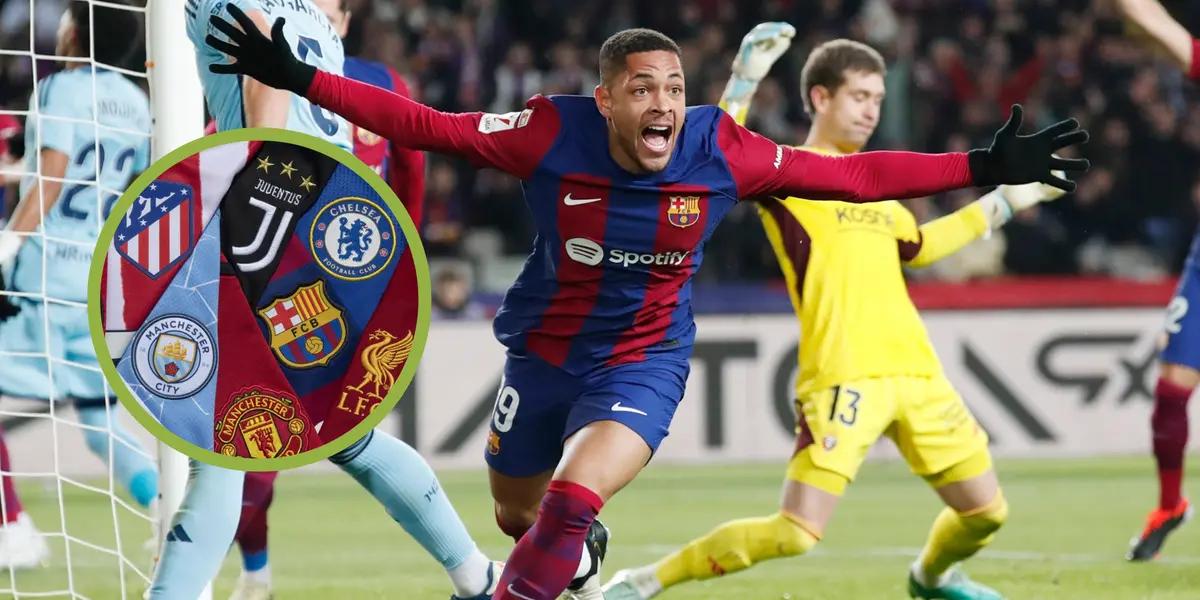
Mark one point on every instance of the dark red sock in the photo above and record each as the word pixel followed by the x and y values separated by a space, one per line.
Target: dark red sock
pixel 512 530
pixel 257 494
pixel 1169 424
pixel 12 502
pixel 545 560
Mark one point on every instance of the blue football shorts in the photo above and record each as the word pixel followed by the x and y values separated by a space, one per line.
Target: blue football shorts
pixel 539 406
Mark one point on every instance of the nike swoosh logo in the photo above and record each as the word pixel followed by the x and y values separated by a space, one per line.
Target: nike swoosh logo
pixel 616 407
pixel 569 201
pixel 518 594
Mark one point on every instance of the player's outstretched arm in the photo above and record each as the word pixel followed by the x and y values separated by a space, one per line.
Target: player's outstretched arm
pixel 406 172
pixel 762 167
pixel 1152 17
pixel 941 237
pixel 486 140
pixel 36 204
pixel 759 50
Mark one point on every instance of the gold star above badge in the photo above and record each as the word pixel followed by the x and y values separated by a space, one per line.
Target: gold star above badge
pixel 287 169
pixel 265 164
pixel 307 183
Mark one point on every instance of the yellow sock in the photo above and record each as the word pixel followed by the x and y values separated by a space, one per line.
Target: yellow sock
pixel 734 546
pixel 957 536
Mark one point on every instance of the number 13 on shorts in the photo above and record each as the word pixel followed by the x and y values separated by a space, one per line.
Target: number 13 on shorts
pixel 846 414
pixel 845 421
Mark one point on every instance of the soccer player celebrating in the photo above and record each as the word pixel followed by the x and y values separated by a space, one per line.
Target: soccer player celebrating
pixel 867 367
pixel 393 472
pixel 1180 370
pixel 625 188
pixel 51 236
pixel 404 170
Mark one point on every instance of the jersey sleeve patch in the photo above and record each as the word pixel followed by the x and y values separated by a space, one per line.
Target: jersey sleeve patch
pixel 492 123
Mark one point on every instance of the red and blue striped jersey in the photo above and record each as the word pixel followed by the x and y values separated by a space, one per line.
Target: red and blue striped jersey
pixel 609 277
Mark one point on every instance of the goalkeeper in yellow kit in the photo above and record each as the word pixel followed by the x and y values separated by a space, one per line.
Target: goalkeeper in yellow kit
pixel 867 367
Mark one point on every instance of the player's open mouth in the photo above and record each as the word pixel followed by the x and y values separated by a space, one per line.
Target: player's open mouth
pixel 657 138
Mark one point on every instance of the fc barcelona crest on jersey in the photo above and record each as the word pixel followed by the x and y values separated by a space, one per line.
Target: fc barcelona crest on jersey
pixel 307 329
pixel 683 211
pixel 156 233
pixel 353 238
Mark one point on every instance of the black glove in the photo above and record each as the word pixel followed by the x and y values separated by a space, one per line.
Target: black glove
pixel 1016 159
pixel 268 60
pixel 7 308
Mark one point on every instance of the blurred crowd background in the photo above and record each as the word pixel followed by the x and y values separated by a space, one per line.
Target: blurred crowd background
pixel 955 67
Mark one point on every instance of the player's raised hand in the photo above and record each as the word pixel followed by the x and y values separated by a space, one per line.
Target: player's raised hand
pixel 1014 159
pixel 268 60
pixel 761 48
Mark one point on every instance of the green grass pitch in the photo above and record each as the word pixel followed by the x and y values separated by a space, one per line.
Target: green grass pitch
pixel 1069 526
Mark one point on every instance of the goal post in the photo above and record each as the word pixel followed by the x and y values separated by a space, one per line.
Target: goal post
pixel 177 108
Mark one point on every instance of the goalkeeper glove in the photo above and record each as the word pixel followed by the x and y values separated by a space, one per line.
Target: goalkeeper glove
pixel 759 50
pixel 7 308
pixel 1002 203
pixel 268 60
pixel 1015 159
pixel 9 244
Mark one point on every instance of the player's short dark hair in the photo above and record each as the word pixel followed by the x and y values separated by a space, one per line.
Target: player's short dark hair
pixel 828 63
pixel 118 31
pixel 631 41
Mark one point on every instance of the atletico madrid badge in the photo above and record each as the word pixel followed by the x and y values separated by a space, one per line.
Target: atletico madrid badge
pixel 683 211
pixel 307 329
pixel 156 233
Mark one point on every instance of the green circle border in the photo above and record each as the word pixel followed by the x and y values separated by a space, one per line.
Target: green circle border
pixel 134 406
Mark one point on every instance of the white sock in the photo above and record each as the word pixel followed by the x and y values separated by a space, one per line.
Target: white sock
pixel 645 581
pixel 585 564
pixel 923 578
pixel 262 575
pixel 470 577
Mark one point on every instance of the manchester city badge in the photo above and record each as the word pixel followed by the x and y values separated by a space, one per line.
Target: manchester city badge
pixel 174 356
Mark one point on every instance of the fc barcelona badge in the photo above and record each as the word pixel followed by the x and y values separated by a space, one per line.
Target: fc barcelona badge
pixel 307 329
pixel 683 211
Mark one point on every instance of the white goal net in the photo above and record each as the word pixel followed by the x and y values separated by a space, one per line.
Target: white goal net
pixel 101 541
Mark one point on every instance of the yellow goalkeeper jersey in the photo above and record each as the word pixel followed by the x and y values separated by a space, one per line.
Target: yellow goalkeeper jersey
pixel 842 264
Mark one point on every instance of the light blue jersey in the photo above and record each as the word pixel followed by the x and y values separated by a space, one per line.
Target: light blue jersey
pixel 71 115
pixel 311 37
